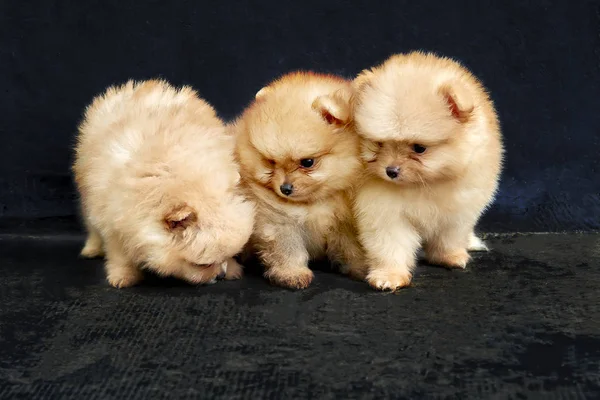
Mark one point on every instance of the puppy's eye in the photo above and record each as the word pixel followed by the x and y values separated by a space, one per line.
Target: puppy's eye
pixel 379 144
pixel 419 149
pixel 271 162
pixel 307 162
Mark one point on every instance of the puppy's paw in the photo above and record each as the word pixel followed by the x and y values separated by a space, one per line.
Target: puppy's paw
pixel 389 278
pixel 122 278
pixel 476 244
pixel 450 259
pixel 234 270
pixel 292 278
pixel 92 249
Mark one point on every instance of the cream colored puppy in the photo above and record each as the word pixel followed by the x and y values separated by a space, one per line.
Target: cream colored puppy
pixel 158 184
pixel 300 158
pixel 434 155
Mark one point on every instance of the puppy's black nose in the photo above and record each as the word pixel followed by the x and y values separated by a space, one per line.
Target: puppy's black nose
pixel 392 172
pixel 221 275
pixel 287 189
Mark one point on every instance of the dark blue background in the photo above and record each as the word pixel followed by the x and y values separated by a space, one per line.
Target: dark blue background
pixel 540 59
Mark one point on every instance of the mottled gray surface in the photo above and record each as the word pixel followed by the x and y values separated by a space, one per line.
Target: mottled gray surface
pixel 522 322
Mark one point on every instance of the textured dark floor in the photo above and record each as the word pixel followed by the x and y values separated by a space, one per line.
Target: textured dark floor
pixel 522 322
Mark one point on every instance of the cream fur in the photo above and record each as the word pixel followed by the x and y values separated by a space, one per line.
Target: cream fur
pixel 157 178
pixel 438 195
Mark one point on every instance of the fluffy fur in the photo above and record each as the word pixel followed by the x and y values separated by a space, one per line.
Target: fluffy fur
pixel 157 178
pixel 434 155
pixel 299 158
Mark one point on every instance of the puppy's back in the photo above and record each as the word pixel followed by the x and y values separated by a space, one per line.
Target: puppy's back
pixel 148 120
pixel 145 129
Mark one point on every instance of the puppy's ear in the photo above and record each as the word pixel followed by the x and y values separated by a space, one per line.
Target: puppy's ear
pixel 334 108
pixel 362 80
pixel 459 100
pixel 180 218
pixel 262 93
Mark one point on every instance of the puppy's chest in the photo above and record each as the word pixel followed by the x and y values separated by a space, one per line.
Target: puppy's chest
pixel 314 217
pixel 426 210
pixel 314 221
pixel 320 220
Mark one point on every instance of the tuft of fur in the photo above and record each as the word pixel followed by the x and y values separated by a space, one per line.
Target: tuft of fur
pixel 301 116
pixel 433 150
pixel 159 185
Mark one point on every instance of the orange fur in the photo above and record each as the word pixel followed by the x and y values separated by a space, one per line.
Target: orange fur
pixel 433 150
pixel 157 178
pixel 298 117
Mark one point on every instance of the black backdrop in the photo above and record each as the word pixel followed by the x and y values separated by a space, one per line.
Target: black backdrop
pixel 540 59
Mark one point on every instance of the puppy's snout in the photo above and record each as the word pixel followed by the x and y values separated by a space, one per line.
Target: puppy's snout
pixel 392 172
pixel 287 188
pixel 221 275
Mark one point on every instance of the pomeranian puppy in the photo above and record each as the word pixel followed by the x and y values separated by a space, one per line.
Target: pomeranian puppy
pixel 433 154
pixel 299 157
pixel 158 182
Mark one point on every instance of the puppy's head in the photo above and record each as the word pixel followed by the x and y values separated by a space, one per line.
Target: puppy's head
pixel 187 223
pixel 295 139
pixel 414 110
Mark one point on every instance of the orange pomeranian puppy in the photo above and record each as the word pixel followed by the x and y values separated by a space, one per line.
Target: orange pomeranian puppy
pixel 299 158
pixel 157 177
pixel 434 154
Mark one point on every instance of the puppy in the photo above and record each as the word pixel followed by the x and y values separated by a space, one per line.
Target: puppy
pixel 299 157
pixel 157 179
pixel 434 156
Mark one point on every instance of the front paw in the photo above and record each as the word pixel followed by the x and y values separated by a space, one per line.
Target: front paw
pixel 92 250
pixel 389 278
pixel 450 259
pixel 476 244
pixel 122 278
pixel 291 277
pixel 234 270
